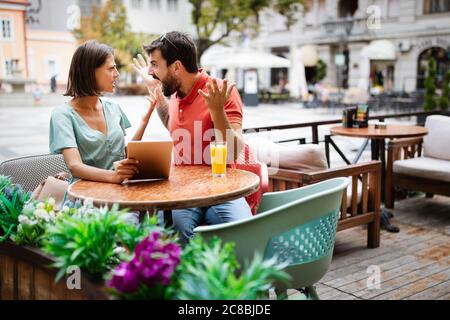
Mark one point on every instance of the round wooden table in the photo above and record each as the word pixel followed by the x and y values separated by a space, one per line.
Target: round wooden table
pixel 377 137
pixel 187 187
pixel 392 131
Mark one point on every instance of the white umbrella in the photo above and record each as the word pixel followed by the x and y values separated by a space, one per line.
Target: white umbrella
pixel 243 59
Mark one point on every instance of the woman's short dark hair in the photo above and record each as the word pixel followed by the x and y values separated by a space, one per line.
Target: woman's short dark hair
pixel 88 57
pixel 176 46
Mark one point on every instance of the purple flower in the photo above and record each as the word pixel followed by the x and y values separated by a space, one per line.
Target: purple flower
pixel 153 263
pixel 124 278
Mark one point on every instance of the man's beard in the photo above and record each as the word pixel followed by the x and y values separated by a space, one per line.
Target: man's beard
pixel 170 86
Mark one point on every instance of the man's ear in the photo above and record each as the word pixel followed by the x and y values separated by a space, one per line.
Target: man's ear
pixel 178 66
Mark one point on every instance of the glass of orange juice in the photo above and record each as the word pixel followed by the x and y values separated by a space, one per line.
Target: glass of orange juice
pixel 218 158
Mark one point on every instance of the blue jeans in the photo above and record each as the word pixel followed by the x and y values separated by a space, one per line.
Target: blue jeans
pixel 186 220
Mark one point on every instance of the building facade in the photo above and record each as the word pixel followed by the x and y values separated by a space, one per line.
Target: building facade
pixel 50 41
pixel 159 16
pixel 13 46
pixel 364 43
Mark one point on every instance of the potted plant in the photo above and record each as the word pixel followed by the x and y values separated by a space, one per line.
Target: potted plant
pixel 430 99
pixel 94 239
pixel 12 201
pixel 444 99
pixel 120 256
pixel 159 269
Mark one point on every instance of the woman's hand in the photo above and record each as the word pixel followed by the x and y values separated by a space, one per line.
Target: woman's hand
pixel 140 66
pixel 124 169
pixel 216 98
pixel 152 98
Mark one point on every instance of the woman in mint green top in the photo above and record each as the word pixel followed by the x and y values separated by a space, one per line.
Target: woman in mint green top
pixel 89 131
pixel 69 130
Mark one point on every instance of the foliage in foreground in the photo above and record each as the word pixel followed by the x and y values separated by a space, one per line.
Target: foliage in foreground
pixel 210 270
pixel 12 201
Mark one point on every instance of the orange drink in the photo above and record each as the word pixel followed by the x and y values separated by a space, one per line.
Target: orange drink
pixel 218 158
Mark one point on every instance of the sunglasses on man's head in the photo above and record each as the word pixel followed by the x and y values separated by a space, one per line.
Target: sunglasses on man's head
pixel 164 37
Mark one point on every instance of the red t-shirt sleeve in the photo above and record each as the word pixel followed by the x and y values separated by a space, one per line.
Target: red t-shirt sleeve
pixel 233 107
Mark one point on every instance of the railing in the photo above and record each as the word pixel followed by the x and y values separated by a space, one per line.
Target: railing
pixel 315 125
pixel 346 26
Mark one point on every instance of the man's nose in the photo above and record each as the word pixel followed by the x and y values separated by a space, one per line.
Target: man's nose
pixel 151 72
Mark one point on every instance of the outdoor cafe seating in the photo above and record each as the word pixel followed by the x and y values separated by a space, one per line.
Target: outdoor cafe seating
pixel 315 229
pixel 297 226
pixel 420 164
pixel 305 164
pixel 293 188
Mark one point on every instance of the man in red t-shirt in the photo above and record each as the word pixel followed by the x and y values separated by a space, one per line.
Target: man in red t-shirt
pixel 201 109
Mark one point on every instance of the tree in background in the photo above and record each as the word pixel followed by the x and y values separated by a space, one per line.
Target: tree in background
pixel 216 20
pixel 108 24
pixel 444 100
pixel 430 86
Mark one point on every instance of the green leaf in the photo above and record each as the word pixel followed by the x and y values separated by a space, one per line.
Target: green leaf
pixel 76 253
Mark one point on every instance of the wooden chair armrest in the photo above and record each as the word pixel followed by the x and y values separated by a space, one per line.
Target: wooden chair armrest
pixel 316 176
pixel 285 174
pixel 400 143
pixel 347 171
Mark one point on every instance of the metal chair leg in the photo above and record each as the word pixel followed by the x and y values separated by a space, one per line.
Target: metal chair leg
pixel 311 293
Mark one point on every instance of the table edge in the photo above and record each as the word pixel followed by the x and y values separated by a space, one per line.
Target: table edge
pixel 369 136
pixel 172 204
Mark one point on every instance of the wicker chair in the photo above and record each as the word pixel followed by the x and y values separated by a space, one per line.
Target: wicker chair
pixel 31 170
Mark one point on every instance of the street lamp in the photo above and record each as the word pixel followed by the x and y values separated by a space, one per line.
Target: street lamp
pixel 348 25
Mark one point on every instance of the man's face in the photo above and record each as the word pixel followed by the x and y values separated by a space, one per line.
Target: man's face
pixel 160 71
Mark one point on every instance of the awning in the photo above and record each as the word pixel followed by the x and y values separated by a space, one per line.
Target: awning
pixel 243 59
pixel 310 55
pixel 380 50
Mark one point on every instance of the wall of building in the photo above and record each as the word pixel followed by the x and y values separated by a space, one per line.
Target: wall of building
pixel 15 47
pixel 157 20
pixel 45 46
pixel 49 40
pixel 49 14
pixel 400 22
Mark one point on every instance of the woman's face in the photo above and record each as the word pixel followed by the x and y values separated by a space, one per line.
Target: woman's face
pixel 107 75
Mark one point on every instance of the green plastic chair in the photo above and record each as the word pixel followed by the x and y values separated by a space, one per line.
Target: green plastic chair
pixel 297 226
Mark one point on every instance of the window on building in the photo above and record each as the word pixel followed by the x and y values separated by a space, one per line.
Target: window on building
pixel 154 4
pixel 8 68
pixel 172 5
pixel 347 8
pixel 436 6
pixel 51 68
pixel 6 29
pixel 31 64
pixel 136 4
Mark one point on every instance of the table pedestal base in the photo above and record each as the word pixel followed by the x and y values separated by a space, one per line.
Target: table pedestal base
pixel 168 219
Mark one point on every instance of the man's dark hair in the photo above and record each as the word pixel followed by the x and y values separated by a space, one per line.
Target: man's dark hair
pixel 88 57
pixel 176 46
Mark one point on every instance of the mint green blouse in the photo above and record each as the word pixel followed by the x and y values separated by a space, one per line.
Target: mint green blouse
pixel 69 130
